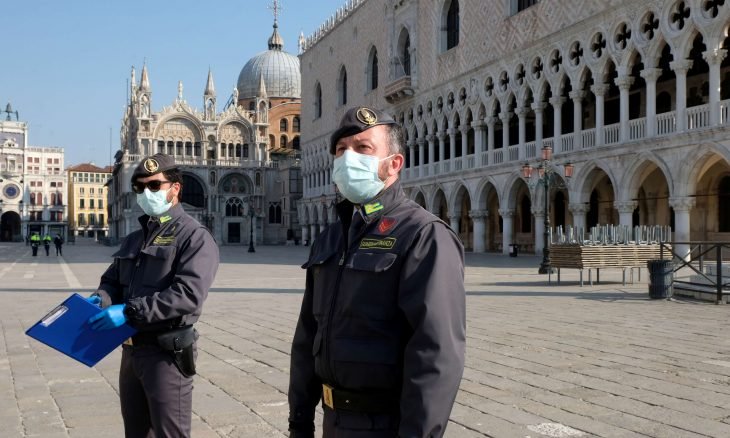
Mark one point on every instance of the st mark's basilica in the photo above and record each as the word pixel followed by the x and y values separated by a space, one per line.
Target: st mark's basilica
pixel 240 166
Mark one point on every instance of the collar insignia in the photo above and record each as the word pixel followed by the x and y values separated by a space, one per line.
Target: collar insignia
pixel 151 165
pixel 165 218
pixel 372 207
pixel 366 116
pixel 386 224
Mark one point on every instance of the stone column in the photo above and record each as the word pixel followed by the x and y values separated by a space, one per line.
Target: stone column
pixel 421 152
pixel 480 234
pixel 624 82
pixel 478 126
pixel 454 222
pixel 491 121
pixel 431 147
pixel 599 90
pixel 452 145
pixel 651 75
pixel 507 216
pixel 680 69
pixel 579 212
pixel 442 145
pixel 682 207
pixel 504 116
pixel 539 108
pixel 625 211
pixel 411 154
pixel 305 234
pixel 539 215
pixel 557 103
pixel 714 59
pixel 464 142
pixel 521 132
pixel 313 232
pixel 577 98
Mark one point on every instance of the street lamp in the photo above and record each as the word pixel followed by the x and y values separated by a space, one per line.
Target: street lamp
pixel 251 215
pixel 546 177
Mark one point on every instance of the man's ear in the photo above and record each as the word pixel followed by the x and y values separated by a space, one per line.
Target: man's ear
pixel 397 163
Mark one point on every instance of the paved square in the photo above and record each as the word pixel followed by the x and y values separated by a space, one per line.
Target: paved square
pixel 542 360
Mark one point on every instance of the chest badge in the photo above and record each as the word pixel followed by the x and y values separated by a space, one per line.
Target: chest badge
pixel 386 224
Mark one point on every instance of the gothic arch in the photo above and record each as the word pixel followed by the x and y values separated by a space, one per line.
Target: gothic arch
pixel 581 184
pixel 189 121
pixel 634 175
pixel 690 173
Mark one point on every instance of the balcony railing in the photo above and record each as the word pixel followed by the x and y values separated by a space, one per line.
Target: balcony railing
pixel 697 118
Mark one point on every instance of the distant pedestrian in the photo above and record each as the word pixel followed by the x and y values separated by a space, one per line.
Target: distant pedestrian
pixel 35 242
pixel 47 244
pixel 58 241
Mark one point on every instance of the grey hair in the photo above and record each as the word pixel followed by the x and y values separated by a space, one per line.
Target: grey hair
pixel 395 139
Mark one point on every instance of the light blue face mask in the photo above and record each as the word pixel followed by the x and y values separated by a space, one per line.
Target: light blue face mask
pixel 154 203
pixel 356 176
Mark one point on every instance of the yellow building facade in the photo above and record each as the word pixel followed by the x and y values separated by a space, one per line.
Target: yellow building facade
pixel 87 200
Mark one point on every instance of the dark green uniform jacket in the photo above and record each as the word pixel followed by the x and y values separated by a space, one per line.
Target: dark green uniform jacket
pixel 383 311
pixel 162 272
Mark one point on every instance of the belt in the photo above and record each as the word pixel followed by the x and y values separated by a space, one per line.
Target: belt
pixel 364 402
pixel 142 338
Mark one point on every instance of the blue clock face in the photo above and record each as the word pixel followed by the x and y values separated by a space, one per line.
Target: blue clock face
pixel 11 191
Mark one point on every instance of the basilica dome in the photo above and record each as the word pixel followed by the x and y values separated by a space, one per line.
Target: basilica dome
pixel 279 70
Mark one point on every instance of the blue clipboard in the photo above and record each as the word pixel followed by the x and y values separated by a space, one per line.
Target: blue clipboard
pixel 65 329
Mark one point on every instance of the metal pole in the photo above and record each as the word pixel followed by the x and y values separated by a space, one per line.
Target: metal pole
pixel 250 233
pixel 545 267
pixel 718 298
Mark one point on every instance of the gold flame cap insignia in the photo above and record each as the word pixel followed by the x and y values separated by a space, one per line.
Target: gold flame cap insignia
pixel 151 165
pixel 367 116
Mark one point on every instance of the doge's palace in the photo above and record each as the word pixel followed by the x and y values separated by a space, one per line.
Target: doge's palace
pixel 634 95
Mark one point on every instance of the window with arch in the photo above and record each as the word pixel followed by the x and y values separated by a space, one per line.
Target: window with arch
pixel 404 52
pixel 342 87
pixel 450 25
pixel 245 151
pixel 317 101
pixel 520 5
pixel 295 143
pixel 372 70
pixel 295 124
pixel 234 207
pixel 283 125
pixel 274 214
pixel 282 141
pixel 193 192
pixel 258 179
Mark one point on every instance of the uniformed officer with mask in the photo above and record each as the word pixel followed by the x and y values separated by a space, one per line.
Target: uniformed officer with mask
pixel 157 283
pixel 381 333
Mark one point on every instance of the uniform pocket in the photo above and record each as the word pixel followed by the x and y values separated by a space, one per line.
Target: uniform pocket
pixel 366 363
pixel 158 265
pixel 125 259
pixel 369 286
pixel 322 283
pixel 373 262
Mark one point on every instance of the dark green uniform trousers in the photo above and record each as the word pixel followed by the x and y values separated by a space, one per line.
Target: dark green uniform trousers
pixel 156 399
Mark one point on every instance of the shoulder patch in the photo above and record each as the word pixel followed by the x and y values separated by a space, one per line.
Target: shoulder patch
pixel 373 207
pixel 372 243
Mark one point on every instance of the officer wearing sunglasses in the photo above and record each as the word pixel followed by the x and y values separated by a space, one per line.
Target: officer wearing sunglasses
pixel 157 284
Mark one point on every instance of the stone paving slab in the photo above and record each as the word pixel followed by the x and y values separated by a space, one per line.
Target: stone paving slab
pixel 543 360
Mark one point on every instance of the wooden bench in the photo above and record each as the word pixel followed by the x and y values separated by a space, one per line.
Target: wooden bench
pixel 574 256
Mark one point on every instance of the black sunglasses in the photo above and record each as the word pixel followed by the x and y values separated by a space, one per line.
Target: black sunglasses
pixel 138 187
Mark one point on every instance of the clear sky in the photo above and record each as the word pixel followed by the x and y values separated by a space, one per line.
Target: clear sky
pixel 65 64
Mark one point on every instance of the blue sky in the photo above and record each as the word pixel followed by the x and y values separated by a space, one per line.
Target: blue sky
pixel 65 63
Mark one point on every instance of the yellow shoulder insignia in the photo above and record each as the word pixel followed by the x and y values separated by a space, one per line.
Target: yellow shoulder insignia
pixel 373 207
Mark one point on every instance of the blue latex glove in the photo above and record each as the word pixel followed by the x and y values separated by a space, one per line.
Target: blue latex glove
pixel 94 299
pixel 109 318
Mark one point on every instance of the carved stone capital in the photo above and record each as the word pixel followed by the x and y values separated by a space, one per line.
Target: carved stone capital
pixel 430 138
pixel 625 206
pixel 505 116
pixel 491 121
pixel 421 141
pixel 624 82
pixel 651 74
pixel 684 203
pixel 478 214
pixel 577 95
pixel 714 57
pixel 538 212
pixel 539 107
pixel 557 101
pixel 599 89
pixel 682 66
pixel 521 112
pixel 506 212
pixel 579 208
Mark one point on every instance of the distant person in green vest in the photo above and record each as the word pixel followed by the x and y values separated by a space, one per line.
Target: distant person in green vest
pixel 35 242
pixel 47 244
